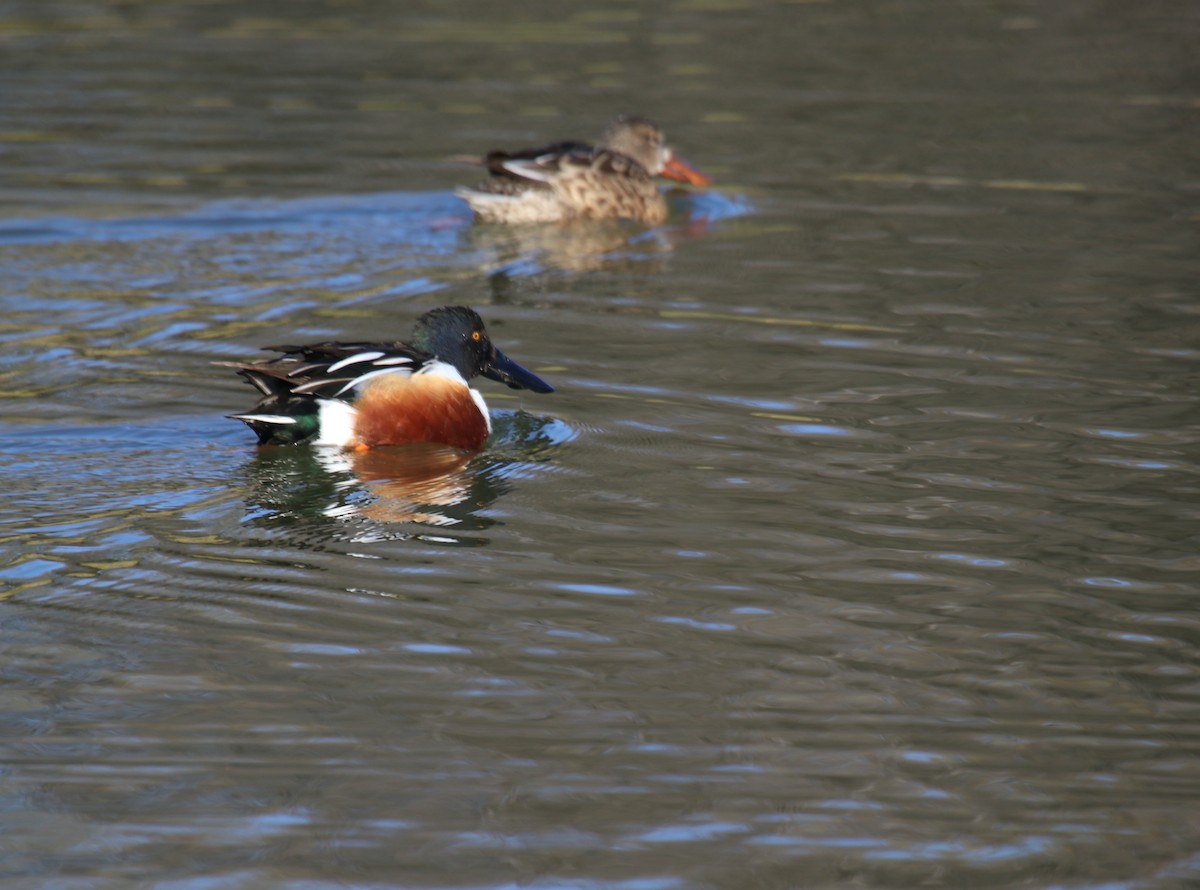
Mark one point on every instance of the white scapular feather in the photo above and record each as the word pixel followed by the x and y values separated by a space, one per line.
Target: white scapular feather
pixel 265 418
pixel 528 170
pixel 363 378
pixel 351 359
pixel 311 386
pixel 439 368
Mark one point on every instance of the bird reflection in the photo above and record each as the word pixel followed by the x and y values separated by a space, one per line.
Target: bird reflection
pixel 418 483
pixel 587 246
pixel 593 245
pixel 359 495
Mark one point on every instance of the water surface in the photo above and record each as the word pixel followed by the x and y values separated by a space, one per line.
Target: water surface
pixel 856 547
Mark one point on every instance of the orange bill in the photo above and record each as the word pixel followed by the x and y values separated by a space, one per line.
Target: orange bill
pixel 681 171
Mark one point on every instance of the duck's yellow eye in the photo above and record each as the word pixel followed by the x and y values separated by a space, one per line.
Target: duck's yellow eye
pixel 475 335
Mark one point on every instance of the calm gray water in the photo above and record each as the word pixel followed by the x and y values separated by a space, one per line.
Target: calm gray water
pixel 856 549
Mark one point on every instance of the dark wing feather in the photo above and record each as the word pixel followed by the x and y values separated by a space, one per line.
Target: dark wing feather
pixel 546 155
pixel 559 158
pixel 332 351
pixel 312 370
pixel 292 383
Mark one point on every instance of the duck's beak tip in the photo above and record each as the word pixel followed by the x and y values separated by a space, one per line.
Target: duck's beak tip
pixel 506 371
pixel 682 171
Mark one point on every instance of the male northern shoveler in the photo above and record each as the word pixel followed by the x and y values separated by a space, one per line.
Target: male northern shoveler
pixel 359 395
pixel 573 180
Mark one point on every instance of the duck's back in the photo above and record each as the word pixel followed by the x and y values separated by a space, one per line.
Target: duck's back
pixel 565 181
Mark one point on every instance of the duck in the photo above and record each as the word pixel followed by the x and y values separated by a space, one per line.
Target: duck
pixel 364 395
pixel 567 181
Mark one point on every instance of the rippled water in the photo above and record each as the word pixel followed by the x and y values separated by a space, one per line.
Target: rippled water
pixel 856 548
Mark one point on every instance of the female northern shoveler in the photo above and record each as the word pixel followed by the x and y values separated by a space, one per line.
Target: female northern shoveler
pixel 573 180
pixel 359 395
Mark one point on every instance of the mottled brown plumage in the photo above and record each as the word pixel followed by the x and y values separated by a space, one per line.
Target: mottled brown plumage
pixel 572 180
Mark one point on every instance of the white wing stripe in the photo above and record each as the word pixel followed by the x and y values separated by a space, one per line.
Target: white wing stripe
pixel 527 170
pixel 363 378
pixel 351 359
pixel 265 418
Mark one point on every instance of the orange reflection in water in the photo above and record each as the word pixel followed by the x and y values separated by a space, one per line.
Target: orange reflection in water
pixel 404 479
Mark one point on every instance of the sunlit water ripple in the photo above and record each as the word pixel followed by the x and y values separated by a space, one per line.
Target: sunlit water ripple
pixel 855 548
